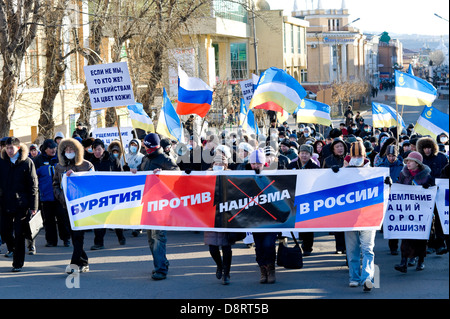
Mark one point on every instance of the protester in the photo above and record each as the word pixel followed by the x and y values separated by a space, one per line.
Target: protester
pixel 360 243
pixel 155 161
pixel 264 242
pixel 70 160
pixel 436 161
pixel 81 131
pixel 336 161
pixel 87 145
pixel 55 219
pixel 215 240
pixel 34 151
pixel 19 188
pixel 414 173
pixel 106 161
pixel 305 162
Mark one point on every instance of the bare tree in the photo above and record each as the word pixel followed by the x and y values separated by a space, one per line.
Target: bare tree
pixel 18 25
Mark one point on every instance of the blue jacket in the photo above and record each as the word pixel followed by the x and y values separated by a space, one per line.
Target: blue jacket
pixel 45 170
pixel 394 168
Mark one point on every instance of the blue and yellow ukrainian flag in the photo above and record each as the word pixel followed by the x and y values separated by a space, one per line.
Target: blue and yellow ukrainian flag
pixel 385 116
pixel 310 111
pixel 169 123
pixel 139 118
pixel 247 119
pixel 414 91
pixel 432 122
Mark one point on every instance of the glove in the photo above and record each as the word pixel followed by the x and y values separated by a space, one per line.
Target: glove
pixel 335 168
pixel 388 180
pixel 188 171
pixel 126 168
pixel 426 185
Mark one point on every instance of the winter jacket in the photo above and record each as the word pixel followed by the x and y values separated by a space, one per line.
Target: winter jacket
pixel 158 159
pixel 134 159
pixel 298 165
pixel 78 164
pixel 45 170
pixel 421 178
pixel 335 160
pixel 106 163
pixel 436 161
pixel 18 183
pixel 394 168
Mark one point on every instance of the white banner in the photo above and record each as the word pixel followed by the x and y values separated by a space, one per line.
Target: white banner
pixel 109 85
pixel 442 203
pixel 410 212
pixel 109 134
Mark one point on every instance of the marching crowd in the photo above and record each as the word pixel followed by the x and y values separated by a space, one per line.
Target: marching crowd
pixel 30 180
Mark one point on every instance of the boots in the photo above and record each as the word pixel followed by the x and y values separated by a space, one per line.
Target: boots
pixel 270 273
pixel 267 274
pixel 226 276
pixel 263 278
pixel 420 264
pixel 402 267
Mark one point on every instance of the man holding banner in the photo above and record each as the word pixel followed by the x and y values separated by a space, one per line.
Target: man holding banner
pixel 156 160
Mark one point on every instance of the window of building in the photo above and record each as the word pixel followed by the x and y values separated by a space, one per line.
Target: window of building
pixel 284 37
pixel 216 57
pixel 231 10
pixel 239 69
pixel 292 38
pixel 333 24
pixel 299 42
pixel 303 75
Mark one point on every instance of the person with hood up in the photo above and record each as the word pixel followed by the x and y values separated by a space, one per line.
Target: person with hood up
pixel 361 242
pixel 58 137
pixel 105 161
pixel 414 173
pixel 19 190
pixel 336 161
pixel 70 160
pixel 436 161
pixel 134 156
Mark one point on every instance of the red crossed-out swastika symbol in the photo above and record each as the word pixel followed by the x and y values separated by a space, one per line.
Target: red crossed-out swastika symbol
pixel 251 200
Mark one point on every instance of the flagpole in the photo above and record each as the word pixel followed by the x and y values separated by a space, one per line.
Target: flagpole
pixel 396 109
pixel 120 136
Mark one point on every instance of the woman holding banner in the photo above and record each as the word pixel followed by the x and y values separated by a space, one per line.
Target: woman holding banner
pixel 215 240
pixel 71 159
pixel 414 173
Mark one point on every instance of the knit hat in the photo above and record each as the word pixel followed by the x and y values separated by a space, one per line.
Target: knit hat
pixel 269 151
pixel 152 140
pixel 357 149
pixel 33 147
pixel 392 149
pixel 49 143
pixel 307 148
pixel 414 156
pixel 257 157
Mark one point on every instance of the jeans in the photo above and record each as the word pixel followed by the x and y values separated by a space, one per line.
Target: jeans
pixel 157 241
pixel 357 243
pixel 265 248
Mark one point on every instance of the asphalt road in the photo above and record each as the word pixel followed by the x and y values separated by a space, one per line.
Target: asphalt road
pixel 124 272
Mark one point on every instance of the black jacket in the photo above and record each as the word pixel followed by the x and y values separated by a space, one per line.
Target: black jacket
pixel 158 159
pixel 106 163
pixel 297 165
pixel 18 184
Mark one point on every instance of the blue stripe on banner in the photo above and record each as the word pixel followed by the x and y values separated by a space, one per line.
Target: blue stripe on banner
pixel 339 199
pixel 93 184
pixel 194 97
pixel 438 118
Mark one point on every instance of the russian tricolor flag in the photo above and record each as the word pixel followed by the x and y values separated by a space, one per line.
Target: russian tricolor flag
pixel 194 95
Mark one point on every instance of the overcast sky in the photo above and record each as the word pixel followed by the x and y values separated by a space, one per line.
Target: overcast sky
pixel 393 16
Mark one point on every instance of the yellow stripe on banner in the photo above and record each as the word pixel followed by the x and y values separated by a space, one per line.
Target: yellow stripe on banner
pixel 313 120
pixel 385 123
pixel 275 97
pixel 126 216
pixel 412 101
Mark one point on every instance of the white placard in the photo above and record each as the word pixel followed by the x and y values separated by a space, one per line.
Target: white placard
pixel 442 203
pixel 109 85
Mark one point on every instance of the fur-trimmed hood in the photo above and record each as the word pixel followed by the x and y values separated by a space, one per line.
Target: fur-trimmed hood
pixel 115 146
pixel 79 151
pixel 427 141
pixel 23 150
